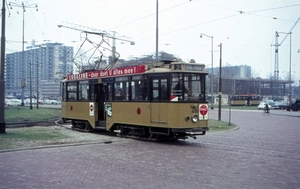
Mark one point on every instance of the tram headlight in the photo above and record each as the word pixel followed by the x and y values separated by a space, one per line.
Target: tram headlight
pixel 195 118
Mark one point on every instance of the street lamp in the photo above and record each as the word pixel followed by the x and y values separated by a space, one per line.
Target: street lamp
pixel 212 69
pixel 23 6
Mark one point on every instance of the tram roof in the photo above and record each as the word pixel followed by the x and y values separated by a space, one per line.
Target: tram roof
pixel 163 66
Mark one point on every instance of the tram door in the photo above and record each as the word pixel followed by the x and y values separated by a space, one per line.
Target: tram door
pixel 101 99
pixel 160 96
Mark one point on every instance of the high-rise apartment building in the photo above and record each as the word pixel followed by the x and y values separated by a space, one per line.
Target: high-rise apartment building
pixel 242 71
pixel 39 65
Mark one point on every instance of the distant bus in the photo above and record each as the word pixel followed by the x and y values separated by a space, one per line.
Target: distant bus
pixel 245 100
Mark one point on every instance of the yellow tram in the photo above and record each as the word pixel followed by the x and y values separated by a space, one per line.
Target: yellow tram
pixel 150 101
pixel 245 100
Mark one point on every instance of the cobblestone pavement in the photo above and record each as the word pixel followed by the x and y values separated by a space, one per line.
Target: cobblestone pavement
pixel 264 152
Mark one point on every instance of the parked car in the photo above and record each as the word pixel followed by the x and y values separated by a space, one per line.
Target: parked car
pixel 275 106
pixel 262 105
pixel 54 102
pixel 295 106
pixel 282 105
pixel 13 102
pixel 47 102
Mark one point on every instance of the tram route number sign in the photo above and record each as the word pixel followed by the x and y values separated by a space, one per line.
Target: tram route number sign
pixel 203 112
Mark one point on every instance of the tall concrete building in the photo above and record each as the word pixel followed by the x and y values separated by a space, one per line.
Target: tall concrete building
pixel 44 64
pixel 242 71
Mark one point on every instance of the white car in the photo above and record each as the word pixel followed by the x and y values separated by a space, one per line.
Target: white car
pixel 262 105
pixel 13 102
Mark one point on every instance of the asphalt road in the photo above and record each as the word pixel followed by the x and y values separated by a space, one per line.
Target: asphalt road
pixel 262 152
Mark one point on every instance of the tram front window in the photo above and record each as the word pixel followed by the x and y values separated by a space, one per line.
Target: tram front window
pixel 187 87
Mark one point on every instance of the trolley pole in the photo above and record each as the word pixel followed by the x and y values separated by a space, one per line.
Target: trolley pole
pixel 220 84
pixel 2 86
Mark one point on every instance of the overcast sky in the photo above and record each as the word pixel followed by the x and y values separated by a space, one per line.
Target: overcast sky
pixel 246 29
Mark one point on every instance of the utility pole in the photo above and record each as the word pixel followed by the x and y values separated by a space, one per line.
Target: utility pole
pixel 156 52
pixel 2 86
pixel 23 6
pixel 220 84
pixel 212 69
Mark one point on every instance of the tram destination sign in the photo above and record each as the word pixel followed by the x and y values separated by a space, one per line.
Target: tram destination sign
pixel 107 73
pixel 194 67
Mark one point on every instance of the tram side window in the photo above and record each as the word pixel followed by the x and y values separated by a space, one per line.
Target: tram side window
pixel 64 91
pixel 91 93
pixel 109 91
pixel 164 90
pixel 155 90
pixel 83 90
pixel 71 91
pixel 121 89
pixel 138 88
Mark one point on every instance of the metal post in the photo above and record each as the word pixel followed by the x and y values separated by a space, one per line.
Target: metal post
pixel 230 109
pixel 290 98
pixel 30 85
pixel 37 84
pixel 23 69
pixel 212 69
pixel 2 86
pixel 212 72
pixel 156 52
pixel 220 84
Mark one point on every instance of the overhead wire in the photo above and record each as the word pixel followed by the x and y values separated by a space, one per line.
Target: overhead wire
pixel 149 15
pixel 238 12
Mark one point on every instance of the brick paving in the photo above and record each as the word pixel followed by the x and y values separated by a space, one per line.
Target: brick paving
pixel 264 152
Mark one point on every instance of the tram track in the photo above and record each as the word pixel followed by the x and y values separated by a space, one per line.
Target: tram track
pixel 48 122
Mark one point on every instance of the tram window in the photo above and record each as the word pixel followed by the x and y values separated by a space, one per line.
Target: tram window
pixel 83 88
pixel 121 90
pixel 179 87
pixel 188 87
pixel 139 90
pixel 164 90
pixel 109 91
pixel 91 93
pixel 72 91
pixel 64 91
pixel 155 90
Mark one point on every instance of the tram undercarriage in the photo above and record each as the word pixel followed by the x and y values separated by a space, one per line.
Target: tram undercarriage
pixel 142 132
pixel 155 133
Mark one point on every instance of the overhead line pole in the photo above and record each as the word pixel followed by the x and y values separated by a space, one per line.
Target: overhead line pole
pixel 23 6
pixel 220 84
pixel 156 52
pixel 2 86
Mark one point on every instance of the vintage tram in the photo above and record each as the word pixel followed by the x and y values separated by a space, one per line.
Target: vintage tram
pixel 149 101
pixel 245 100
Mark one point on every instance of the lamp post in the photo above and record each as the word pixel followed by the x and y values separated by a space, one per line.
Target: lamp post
pixel 23 6
pixel 212 69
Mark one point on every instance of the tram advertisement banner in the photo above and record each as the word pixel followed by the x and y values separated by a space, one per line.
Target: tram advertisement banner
pixel 107 73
